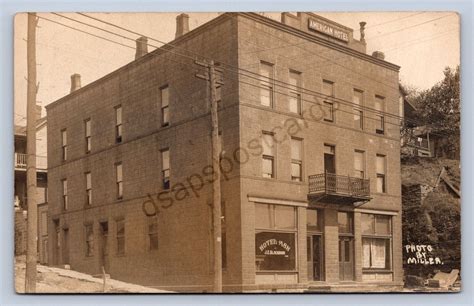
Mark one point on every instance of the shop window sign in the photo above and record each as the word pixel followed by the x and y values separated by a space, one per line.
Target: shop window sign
pixel 275 251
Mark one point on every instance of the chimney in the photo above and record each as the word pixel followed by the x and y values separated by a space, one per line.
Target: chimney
pixel 38 111
pixel 182 24
pixel 379 55
pixel 75 82
pixel 142 47
pixel 362 31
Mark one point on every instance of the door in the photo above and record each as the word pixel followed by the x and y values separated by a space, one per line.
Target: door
pixel 65 246
pixel 346 258
pixel 315 257
pixel 330 167
pixel 56 243
pixel 104 247
pixel 329 163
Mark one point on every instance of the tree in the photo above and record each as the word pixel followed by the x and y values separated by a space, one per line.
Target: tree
pixel 438 110
pixel 439 106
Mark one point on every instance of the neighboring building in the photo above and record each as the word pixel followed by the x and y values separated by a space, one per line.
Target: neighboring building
pixel 20 202
pixel 311 179
pixel 422 140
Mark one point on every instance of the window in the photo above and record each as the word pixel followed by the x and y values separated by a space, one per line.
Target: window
pixel 275 230
pixel 118 124
pixel 266 84
pixel 380 122
pixel 120 234
pixel 359 164
pixel 376 241
pixel 88 188
pixel 165 102
pixel 268 157
pixel 380 170
pixel 153 234
pixel 64 185
pixel 314 220
pixel 295 92
pixel 296 160
pixel 89 240
pixel 345 222
pixel 119 180
pixel 358 100
pixel 328 88
pixel 165 168
pixel 328 111
pixel 328 105
pixel 64 144
pixel 87 125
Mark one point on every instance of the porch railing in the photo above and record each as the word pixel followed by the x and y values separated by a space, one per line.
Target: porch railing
pixel 21 160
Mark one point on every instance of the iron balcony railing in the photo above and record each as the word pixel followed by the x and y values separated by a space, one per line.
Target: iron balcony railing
pixel 332 184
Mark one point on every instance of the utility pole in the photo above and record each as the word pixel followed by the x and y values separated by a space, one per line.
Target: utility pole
pixel 32 220
pixel 210 77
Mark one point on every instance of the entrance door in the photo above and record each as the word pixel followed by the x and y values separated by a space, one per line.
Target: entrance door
pixel 315 257
pixel 346 258
pixel 329 161
pixel 104 248
pixel 65 246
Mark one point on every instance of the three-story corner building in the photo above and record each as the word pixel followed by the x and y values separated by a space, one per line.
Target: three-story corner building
pixel 310 163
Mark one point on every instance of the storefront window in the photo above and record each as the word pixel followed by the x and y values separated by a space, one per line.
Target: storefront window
pixel 275 237
pixel 376 241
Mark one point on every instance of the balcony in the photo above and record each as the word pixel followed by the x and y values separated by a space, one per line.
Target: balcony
pixel 337 189
pixel 21 160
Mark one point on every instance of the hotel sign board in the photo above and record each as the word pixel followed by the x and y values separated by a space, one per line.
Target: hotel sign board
pixel 327 29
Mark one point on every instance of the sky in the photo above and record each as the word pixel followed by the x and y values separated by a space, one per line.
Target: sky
pixel 422 43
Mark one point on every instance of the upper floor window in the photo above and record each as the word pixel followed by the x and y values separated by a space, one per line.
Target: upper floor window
pixel 64 144
pixel 268 157
pixel 64 189
pixel 328 104
pixel 266 84
pixel 87 131
pixel 165 168
pixel 358 101
pixel 88 188
pixel 380 172
pixel 296 159
pixel 380 121
pixel 165 103
pixel 295 92
pixel 119 180
pixel 118 124
pixel 359 164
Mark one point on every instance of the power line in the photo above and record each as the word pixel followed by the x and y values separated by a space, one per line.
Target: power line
pixel 299 88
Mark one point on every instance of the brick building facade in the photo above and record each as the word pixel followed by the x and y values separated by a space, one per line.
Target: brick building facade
pixel 310 162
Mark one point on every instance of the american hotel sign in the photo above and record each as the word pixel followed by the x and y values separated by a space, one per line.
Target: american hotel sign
pixel 328 30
